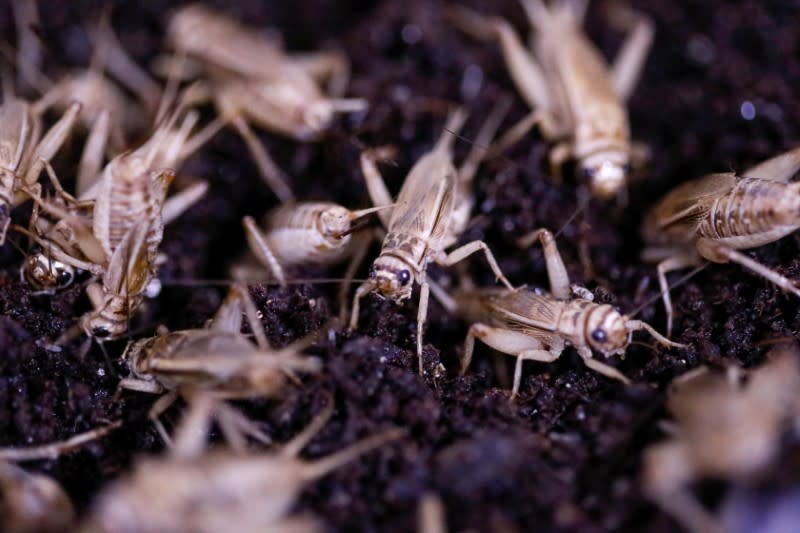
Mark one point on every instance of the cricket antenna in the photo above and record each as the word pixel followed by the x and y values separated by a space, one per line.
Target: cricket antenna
pixel 583 203
pixel 661 294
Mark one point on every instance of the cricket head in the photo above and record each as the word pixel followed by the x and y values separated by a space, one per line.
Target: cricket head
pixel 318 115
pixel 45 273
pixel 606 172
pixel 393 277
pixel 607 330
pixel 334 223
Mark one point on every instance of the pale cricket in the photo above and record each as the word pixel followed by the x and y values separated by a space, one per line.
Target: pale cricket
pixel 578 100
pixel 539 326
pixel 431 212
pixel 320 233
pixel 715 216
pixel 216 358
pixel 252 80
pixel 30 502
pixel 726 426
pixel 193 489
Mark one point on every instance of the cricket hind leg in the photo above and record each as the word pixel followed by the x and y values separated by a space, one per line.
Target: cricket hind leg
pixel 720 253
pixel 630 60
pixel 779 168
pixel 556 270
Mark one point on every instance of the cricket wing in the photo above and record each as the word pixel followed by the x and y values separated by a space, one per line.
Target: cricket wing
pixel 129 270
pixel 426 199
pixel 688 203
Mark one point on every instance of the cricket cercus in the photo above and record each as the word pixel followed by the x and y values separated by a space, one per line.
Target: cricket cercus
pixel 726 426
pixel 251 79
pixel 577 100
pixel 219 490
pixel 430 214
pixel 716 215
pixel 539 326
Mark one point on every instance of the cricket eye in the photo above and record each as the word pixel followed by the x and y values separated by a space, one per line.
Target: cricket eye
pixel 404 276
pixel 64 278
pixel 101 332
pixel 372 272
pixel 588 172
pixel 599 335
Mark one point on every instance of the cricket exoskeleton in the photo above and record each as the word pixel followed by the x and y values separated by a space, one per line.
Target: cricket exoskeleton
pixel 192 489
pixel 32 502
pixel 538 326
pixel 578 101
pixel 251 80
pixel 23 149
pixel 320 233
pixel 217 358
pixel 728 426
pixel 431 212
pixel 715 216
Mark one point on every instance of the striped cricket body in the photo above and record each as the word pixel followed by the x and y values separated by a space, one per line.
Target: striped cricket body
pixel 715 216
pixel 539 326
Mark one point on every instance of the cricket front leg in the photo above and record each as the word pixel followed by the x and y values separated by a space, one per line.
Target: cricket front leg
pixel 677 262
pixel 602 368
pixel 556 271
pixel 461 253
pixel 363 289
pixel 360 245
pixel 422 317
pixel 545 120
pixel 158 408
pixel 562 152
pixel 274 177
pixel 375 184
pixel 260 248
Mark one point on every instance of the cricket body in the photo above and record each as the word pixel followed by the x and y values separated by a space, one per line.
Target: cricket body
pixel 727 426
pixel 216 359
pixel 539 326
pixel 31 502
pixel 82 233
pixel 578 101
pixel 192 489
pixel 320 233
pixel 714 217
pixel 23 150
pixel 251 79
pixel 431 212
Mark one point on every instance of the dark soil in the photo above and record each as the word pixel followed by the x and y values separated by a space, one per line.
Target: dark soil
pixel 563 456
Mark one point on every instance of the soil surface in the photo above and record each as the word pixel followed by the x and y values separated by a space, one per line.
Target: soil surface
pixel 565 454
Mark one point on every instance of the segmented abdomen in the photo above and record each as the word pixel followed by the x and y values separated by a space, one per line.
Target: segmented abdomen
pixel 753 206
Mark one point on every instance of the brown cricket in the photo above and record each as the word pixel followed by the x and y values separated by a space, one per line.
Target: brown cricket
pixel 539 326
pixel 715 216
pixel 727 426
pixel 578 101
pixel 431 212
